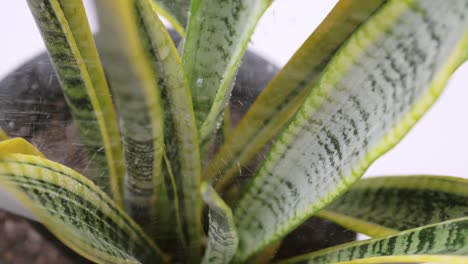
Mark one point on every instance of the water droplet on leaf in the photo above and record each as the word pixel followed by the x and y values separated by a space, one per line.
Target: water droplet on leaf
pixel 199 81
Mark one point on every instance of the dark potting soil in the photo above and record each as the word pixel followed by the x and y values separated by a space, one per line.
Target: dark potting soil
pixel 26 242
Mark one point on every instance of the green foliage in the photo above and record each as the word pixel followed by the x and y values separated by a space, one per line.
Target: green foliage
pixel 442 242
pixel 82 78
pixel 349 94
pixel 410 202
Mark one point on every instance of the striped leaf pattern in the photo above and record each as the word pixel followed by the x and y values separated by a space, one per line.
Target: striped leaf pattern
pixel 372 92
pixel 66 33
pixel 277 104
pixel 445 242
pixel 72 207
pixel 181 141
pixel 217 36
pixel 385 205
pixel 175 11
pixel 222 235
pixel 138 100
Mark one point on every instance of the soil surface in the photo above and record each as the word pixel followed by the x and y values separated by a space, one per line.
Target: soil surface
pixel 25 242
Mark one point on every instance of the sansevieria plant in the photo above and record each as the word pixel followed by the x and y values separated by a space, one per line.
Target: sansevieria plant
pixel 164 164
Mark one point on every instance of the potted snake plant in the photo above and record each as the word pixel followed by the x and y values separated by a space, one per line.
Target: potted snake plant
pixel 166 170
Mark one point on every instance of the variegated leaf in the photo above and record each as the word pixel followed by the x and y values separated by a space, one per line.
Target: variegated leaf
pixel 278 103
pixel 138 100
pixel 72 207
pixel 222 235
pixel 445 242
pixel 179 124
pixel 182 140
pixel 380 82
pixel 65 30
pixel 385 205
pixel 217 36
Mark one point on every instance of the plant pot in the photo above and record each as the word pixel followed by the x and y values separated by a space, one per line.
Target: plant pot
pixel 33 107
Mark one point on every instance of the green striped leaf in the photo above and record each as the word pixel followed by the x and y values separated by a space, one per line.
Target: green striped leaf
pixel 222 235
pixel 182 140
pixel 217 36
pixel 179 123
pixel 384 205
pixel 16 146
pixel 380 82
pixel 66 33
pixel 73 208
pixel 138 99
pixel 276 105
pixel 175 11
pixel 445 242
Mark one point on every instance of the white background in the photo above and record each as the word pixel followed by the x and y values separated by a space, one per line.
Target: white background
pixel 438 144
